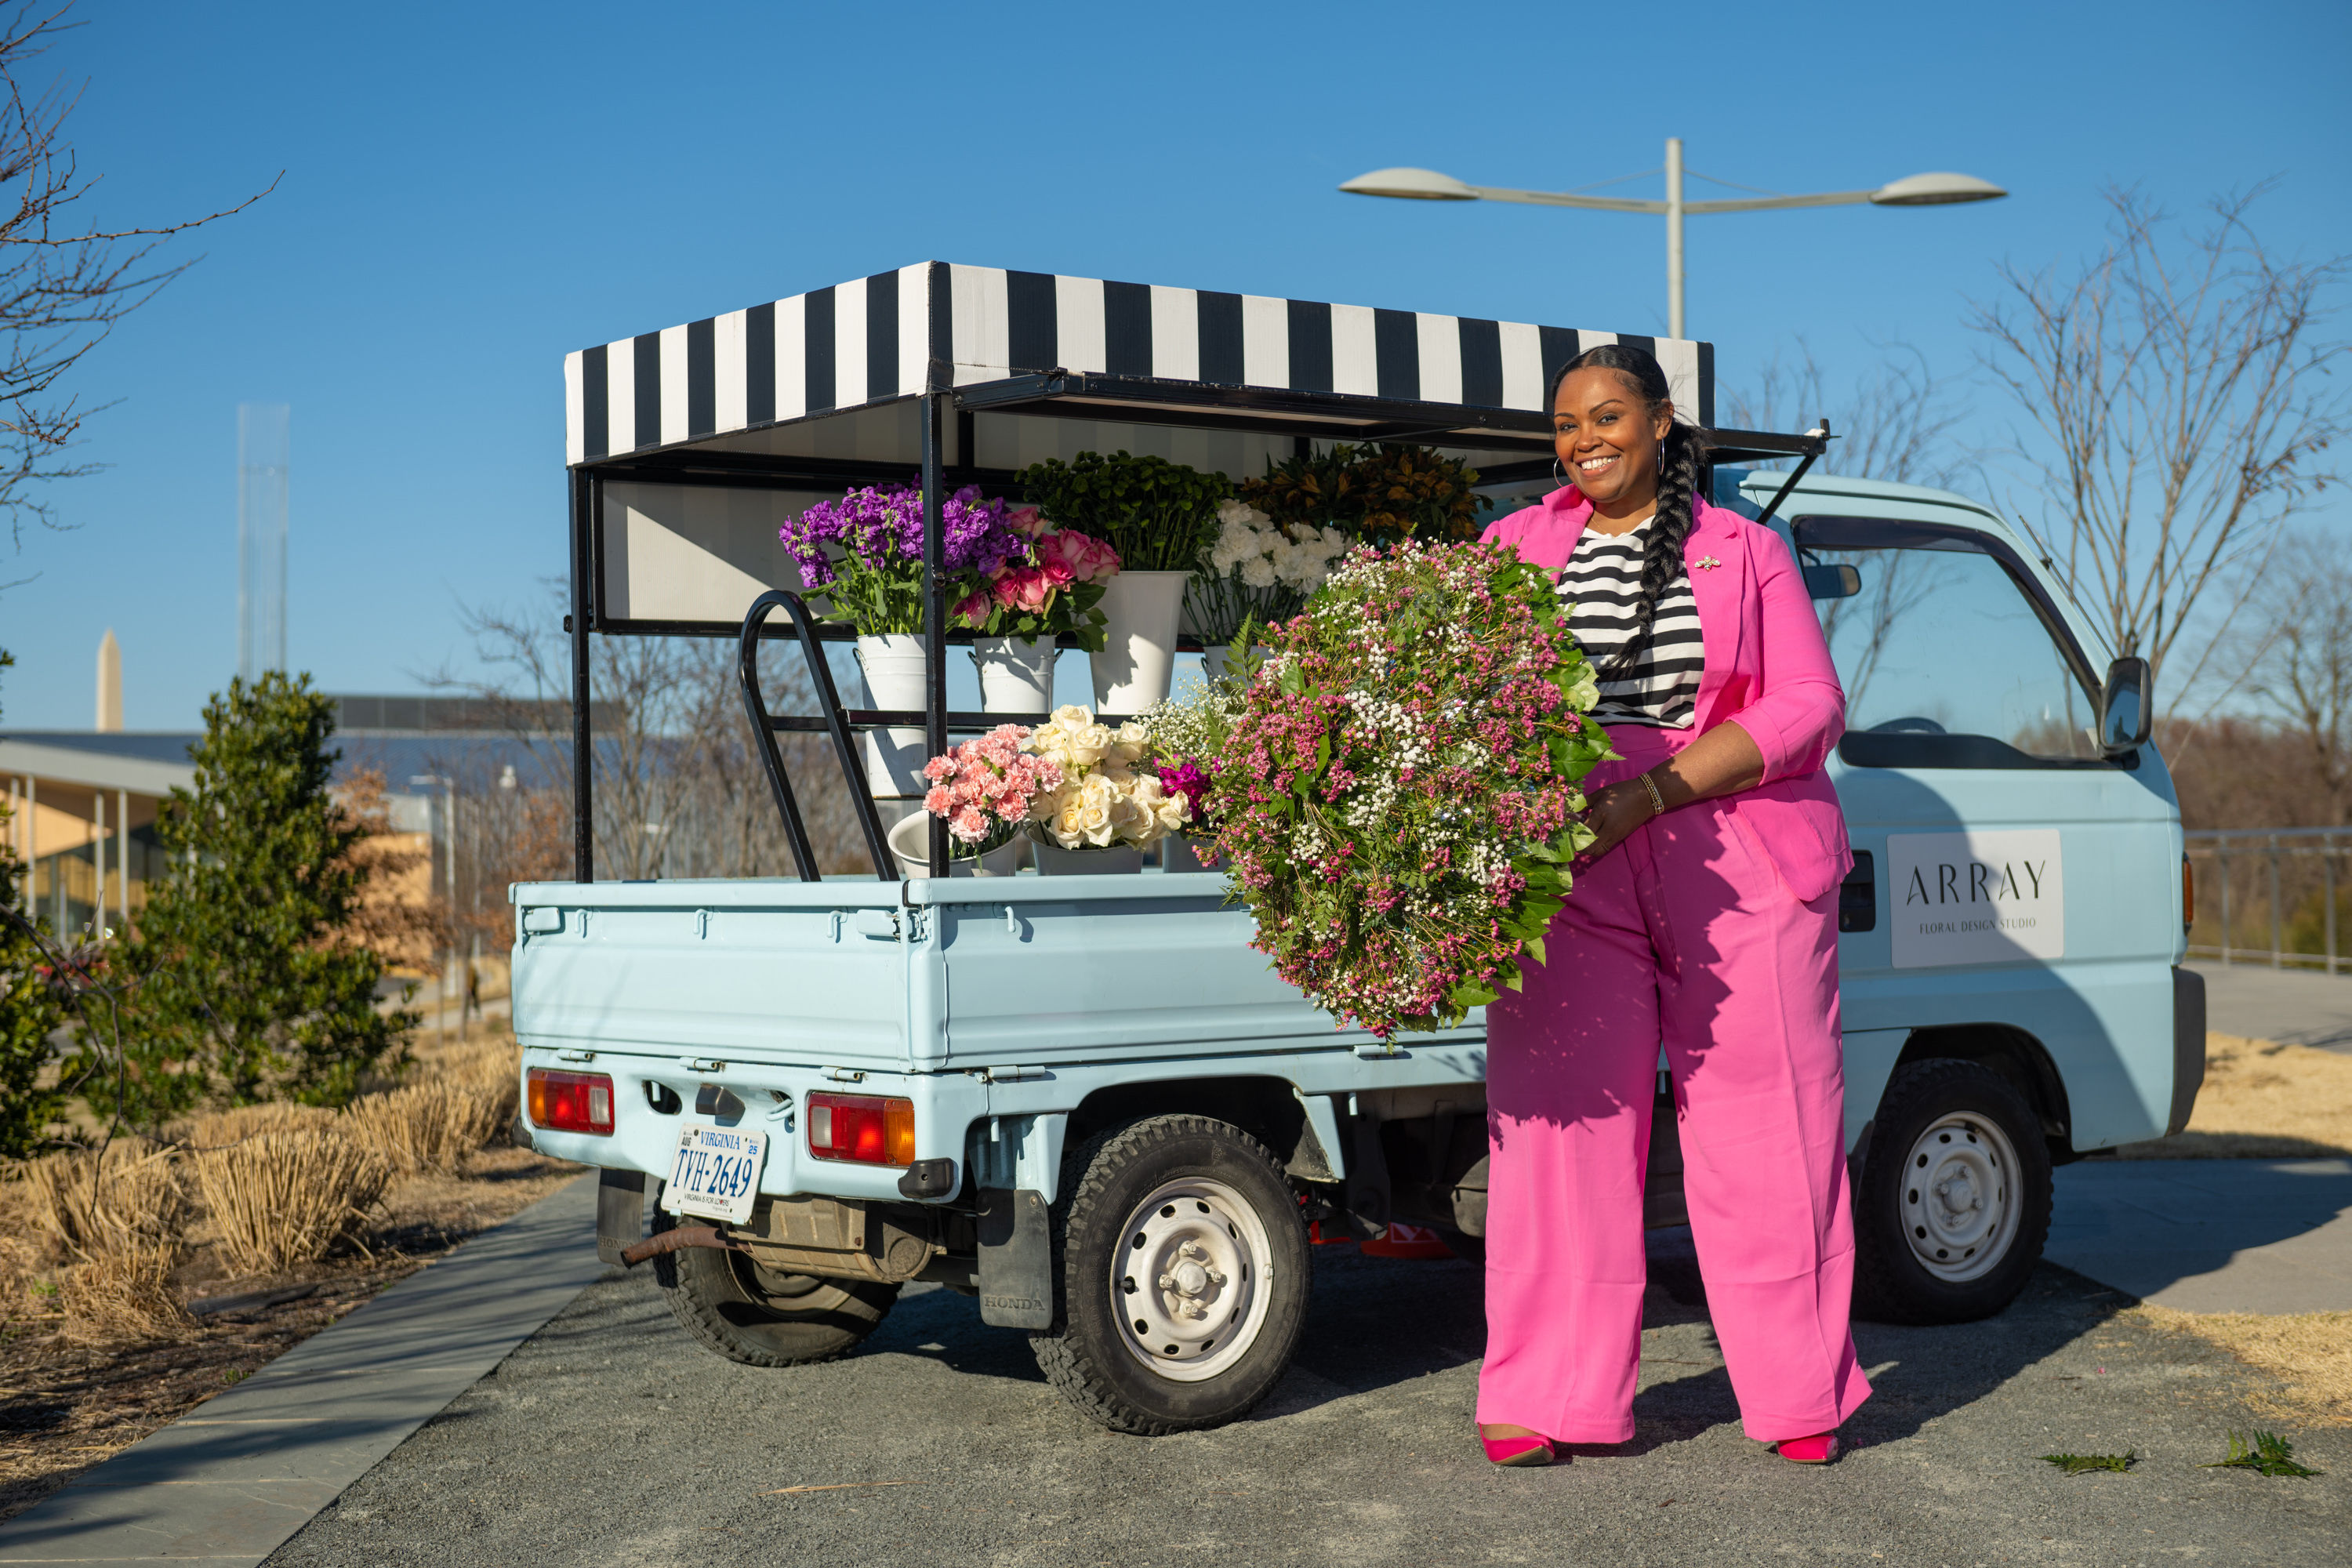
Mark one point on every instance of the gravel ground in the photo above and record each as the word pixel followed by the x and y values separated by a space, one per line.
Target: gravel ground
pixel 609 1438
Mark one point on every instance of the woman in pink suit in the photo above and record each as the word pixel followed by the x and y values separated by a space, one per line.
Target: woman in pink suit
pixel 1704 916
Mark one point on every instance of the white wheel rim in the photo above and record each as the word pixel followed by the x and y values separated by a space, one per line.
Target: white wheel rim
pixel 1191 1279
pixel 1958 1199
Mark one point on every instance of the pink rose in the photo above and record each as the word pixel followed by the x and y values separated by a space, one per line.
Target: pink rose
pixel 1033 592
pixel 1009 587
pixel 973 609
pixel 1090 560
pixel 1026 520
pixel 1058 574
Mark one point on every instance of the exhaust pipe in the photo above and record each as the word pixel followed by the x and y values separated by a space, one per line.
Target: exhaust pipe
pixel 677 1239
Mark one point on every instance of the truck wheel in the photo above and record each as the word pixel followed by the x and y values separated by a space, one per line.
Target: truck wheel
pixel 1953 1203
pixel 761 1318
pixel 1181 1269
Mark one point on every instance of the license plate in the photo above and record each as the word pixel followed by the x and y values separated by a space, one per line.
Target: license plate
pixel 716 1174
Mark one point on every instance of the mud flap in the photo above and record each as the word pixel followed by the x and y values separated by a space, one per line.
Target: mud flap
pixel 620 1212
pixel 1016 1259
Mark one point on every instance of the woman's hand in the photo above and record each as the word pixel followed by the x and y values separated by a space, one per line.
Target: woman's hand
pixel 1613 813
pixel 1724 760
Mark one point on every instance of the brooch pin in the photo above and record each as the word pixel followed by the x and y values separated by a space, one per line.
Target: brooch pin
pixel 1707 561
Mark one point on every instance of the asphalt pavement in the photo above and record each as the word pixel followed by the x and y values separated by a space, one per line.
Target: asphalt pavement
pixel 2299 1006
pixel 609 1438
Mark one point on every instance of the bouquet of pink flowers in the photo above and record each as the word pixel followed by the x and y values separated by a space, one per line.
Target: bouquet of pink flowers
pixel 1050 586
pixel 1398 792
pixel 987 788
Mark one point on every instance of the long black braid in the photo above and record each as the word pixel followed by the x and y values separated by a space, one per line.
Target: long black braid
pixel 1682 458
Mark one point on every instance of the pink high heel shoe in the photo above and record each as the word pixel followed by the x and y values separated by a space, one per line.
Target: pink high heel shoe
pixel 1818 1449
pixel 1518 1452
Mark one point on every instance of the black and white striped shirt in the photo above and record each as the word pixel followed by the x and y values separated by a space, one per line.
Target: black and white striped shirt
pixel 1602 582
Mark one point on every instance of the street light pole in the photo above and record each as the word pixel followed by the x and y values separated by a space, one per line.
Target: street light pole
pixel 1674 236
pixel 1911 191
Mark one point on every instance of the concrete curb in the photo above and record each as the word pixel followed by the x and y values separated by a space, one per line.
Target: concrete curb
pixel 234 1477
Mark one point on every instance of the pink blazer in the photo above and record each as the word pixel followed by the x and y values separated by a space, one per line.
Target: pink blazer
pixel 1768 670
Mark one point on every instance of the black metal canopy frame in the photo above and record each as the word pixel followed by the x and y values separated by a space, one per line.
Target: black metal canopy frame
pixel 703 452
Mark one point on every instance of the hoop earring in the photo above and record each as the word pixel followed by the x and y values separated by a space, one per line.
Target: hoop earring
pixel 1558 473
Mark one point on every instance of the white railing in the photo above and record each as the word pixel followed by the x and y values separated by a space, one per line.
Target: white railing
pixel 2227 851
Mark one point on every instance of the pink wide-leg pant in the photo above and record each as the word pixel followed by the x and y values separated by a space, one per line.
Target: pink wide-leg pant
pixel 1685 933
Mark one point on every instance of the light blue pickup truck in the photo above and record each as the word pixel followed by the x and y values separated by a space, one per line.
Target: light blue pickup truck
pixel 1084 1100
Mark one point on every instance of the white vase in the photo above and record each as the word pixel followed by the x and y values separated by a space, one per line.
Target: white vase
pixel 893 667
pixel 1016 674
pixel 1138 656
pixel 1052 860
pixel 911 842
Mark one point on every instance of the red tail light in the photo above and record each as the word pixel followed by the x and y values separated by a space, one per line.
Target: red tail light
pixel 571 1101
pixel 866 1127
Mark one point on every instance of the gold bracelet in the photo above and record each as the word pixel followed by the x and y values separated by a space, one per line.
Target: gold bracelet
pixel 1658 801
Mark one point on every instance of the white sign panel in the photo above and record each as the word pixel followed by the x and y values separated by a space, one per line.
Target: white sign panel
pixel 1976 898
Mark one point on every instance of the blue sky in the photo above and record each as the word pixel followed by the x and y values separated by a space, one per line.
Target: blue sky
pixel 471 191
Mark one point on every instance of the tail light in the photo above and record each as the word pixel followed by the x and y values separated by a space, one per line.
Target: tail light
pixel 2187 895
pixel 866 1127
pixel 571 1101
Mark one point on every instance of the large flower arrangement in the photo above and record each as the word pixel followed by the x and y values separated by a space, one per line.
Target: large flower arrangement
pixel 1051 585
pixel 1399 788
pixel 1256 567
pixel 863 554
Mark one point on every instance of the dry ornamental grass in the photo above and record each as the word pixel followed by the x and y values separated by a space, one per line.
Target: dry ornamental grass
pixel 125 1296
pixel 93 1203
pixel 2262 1100
pixel 279 1199
pixel 216 1129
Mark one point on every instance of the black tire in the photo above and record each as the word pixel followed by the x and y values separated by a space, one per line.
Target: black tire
pixel 1173 1182
pixel 734 1308
pixel 1952 1206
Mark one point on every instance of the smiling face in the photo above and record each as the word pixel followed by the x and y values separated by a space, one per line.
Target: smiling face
pixel 1608 440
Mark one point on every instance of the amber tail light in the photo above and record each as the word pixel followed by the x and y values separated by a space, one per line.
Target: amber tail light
pixel 868 1129
pixel 570 1101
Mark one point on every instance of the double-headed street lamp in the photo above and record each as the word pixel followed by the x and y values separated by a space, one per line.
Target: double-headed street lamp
pixel 1912 190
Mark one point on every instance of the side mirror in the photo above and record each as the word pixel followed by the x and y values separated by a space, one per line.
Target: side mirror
pixel 2126 706
pixel 1839 582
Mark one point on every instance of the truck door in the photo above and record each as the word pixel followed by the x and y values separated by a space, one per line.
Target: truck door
pixel 2019 889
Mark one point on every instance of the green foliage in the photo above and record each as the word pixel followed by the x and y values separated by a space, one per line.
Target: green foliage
pixel 250 986
pixel 2083 1464
pixel 1160 516
pixel 1379 494
pixel 2265 1452
pixel 30 1011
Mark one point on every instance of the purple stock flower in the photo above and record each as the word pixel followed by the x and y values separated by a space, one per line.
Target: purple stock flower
pixel 882 527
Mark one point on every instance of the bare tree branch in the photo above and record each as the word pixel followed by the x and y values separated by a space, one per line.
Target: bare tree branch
pixel 63 286
pixel 2177 388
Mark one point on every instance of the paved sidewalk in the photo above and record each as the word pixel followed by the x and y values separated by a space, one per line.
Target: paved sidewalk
pixel 2210 1236
pixel 2299 1006
pixel 231 1480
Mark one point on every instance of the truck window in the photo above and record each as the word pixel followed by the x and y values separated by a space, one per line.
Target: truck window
pixel 1950 654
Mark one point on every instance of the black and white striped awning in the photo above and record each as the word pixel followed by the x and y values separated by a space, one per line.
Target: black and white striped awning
pixel 872 340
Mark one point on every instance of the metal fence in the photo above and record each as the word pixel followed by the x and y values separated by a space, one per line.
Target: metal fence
pixel 2256 889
